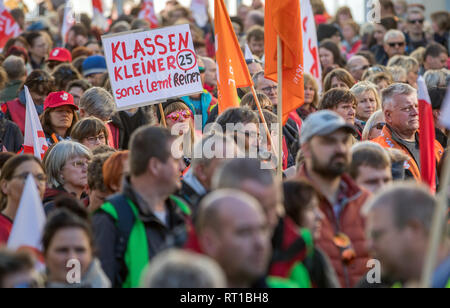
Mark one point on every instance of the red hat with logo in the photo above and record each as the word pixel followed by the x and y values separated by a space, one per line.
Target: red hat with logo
pixel 60 55
pixel 58 99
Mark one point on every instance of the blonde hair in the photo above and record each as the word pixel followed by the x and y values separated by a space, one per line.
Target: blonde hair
pixel 180 106
pixel 398 73
pixel 366 86
pixel 409 63
pixel 309 79
pixel 370 123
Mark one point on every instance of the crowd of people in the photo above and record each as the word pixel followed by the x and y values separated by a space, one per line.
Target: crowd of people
pixel 136 214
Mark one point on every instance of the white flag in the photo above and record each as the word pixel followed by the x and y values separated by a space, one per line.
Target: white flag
pixel 248 54
pixel 30 220
pixel 199 12
pixel 69 20
pixel 99 18
pixel 445 110
pixel 311 58
pixel 148 13
pixel 34 137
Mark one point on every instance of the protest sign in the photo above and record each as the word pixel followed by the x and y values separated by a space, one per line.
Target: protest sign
pixel 147 67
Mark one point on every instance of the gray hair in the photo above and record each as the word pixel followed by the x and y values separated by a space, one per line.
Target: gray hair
pixel 396 89
pixel 58 156
pixel 408 62
pixel 366 86
pixel 408 202
pixel 176 268
pixel 370 123
pixel 218 143
pixel 393 34
pixel 399 73
pixel 14 67
pixel 121 26
pixel 234 172
pixel 436 78
pixel 98 102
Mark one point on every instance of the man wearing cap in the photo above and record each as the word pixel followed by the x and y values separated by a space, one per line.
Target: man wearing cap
pixel 93 69
pixel 59 116
pixel 326 143
pixel 58 56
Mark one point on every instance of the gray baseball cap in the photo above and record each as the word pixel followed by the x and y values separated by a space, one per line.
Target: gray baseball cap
pixel 323 123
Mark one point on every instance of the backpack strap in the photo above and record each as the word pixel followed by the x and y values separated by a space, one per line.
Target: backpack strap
pixel 125 222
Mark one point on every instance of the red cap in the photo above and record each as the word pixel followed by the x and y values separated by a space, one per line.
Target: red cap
pixel 60 54
pixel 58 99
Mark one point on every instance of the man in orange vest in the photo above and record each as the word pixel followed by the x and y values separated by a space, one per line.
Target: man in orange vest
pixel 400 108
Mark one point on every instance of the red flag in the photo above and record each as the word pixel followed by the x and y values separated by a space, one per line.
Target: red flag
pixel 231 67
pixel 148 13
pixel 9 28
pixel 283 19
pixel 427 136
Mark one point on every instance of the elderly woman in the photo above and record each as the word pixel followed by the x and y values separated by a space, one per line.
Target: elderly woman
pixel 12 181
pixel 311 97
pixel 66 164
pixel 367 102
pixel 40 84
pixel 338 78
pixel 99 103
pixel 374 126
pixel 410 64
pixel 59 117
pixel 90 132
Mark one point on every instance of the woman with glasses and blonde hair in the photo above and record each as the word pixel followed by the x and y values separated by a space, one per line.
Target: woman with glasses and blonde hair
pixel 367 102
pixel 374 126
pixel 311 97
pixel 12 181
pixel 90 132
pixel 66 164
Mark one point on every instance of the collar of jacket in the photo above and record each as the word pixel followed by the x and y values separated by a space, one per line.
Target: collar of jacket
pixel 351 190
pixel 147 216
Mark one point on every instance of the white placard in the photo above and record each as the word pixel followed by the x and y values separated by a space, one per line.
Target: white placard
pixel 147 67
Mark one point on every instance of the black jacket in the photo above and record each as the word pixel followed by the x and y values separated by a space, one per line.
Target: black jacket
pixel 10 135
pixel 127 124
pixel 106 234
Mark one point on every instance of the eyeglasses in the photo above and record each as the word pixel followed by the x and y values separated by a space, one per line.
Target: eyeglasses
pixel 93 140
pixel 343 242
pixel 395 44
pixel 415 21
pixel 269 89
pixel 379 126
pixel 178 115
pixel 39 178
pixel 80 164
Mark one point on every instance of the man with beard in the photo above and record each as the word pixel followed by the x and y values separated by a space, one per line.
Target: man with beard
pixel 401 111
pixel 325 144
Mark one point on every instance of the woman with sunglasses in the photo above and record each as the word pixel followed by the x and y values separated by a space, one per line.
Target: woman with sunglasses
pixel 40 84
pixel 179 117
pixel 374 126
pixel 59 117
pixel 12 181
pixel 90 132
pixel 66 164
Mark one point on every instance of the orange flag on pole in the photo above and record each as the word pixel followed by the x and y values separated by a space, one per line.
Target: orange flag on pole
pixel 283 19
pixel 231 67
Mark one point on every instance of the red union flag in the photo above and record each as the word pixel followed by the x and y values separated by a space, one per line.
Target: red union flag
pixel 310 43
pixel 426 137
pixel 148 13
pixel 34 137
pixel 8 26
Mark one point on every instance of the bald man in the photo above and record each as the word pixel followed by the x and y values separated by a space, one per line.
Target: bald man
pixel 232 230
pixel 357 65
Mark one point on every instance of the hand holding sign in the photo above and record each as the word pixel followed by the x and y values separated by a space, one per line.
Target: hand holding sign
pixel 151 66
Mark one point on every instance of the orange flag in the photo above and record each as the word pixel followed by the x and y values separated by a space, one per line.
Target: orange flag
pixel 231 67
pixel 283 19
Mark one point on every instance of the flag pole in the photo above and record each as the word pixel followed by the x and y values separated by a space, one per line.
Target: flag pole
pixel 280 107
pixel 437 228
pixel 163 116
pixel 261 115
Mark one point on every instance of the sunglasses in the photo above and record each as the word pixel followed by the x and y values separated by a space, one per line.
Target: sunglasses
pixel 415 21
pixel 395 44
pixel 178 115
pixel 343 242
pixel 201 69
pixel 379 126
